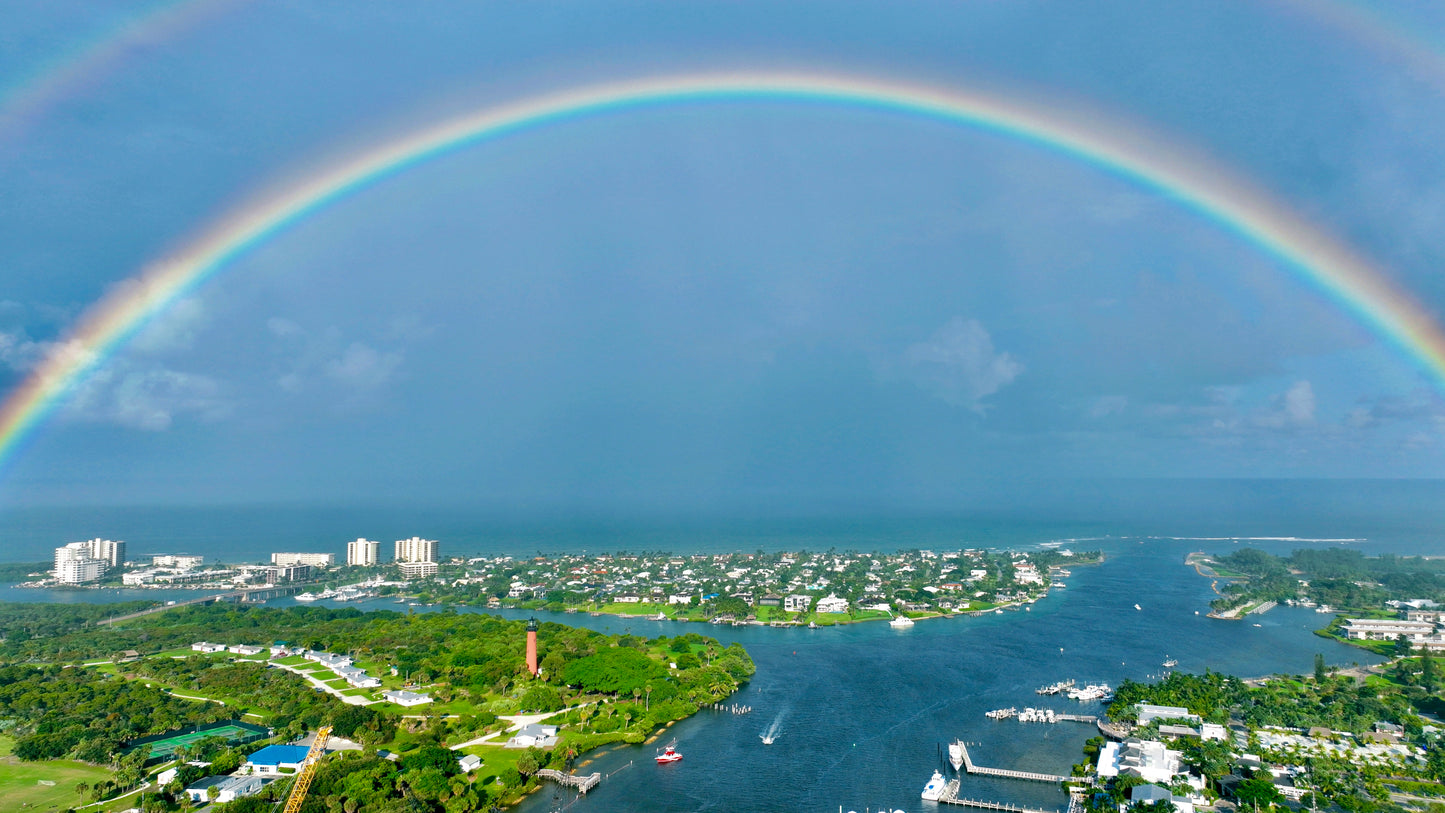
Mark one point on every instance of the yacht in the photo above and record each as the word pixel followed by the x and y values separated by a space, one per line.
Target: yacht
pixel 901 621
pixel 669 754
pixel 768 738
pixel 933 791
pixel 955 754
pixel 307 597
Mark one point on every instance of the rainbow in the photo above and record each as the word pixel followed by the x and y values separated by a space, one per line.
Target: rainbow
pixel 25 99
pixel 1126 152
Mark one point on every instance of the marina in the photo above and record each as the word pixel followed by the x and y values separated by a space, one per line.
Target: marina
pixel 958 755
pixel 950 796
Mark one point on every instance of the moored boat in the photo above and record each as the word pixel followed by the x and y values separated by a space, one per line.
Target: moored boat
pixel 955 754
pixel 900 621
pixel 933 791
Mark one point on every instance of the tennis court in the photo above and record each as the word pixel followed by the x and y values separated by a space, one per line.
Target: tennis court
pixel 234 733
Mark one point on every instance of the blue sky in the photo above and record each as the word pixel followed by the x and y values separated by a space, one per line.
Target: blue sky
pixel 717 305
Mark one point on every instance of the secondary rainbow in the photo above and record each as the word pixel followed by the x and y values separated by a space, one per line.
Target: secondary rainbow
pixel 1124 151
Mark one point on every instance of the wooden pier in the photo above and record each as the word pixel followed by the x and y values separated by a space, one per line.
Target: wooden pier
pixel 581 783
pixel 950 796
pixel 1009 774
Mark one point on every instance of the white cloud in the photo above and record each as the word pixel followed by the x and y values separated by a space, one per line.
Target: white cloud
pixel 362 366
pixel 959 364
pixel 283 327
pixel 1106 405
pixel 150 398
pixel 175 328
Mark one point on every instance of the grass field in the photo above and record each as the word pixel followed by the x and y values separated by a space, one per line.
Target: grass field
pixel 20 781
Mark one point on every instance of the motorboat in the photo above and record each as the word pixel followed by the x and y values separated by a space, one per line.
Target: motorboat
pixel 955 754
pixel 900 621
pixel 768 739
pixel 669 754
pixel 933 791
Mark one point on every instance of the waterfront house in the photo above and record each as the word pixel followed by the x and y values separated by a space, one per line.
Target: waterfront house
pixel 1147 759
pixel 797 603
pixel 540 736
pixel 832 604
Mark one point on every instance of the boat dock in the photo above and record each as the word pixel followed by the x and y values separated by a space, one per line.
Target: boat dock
pixel 950 796
pixel 1009 774
pixel 581 783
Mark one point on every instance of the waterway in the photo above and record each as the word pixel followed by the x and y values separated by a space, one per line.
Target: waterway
pixel 866 708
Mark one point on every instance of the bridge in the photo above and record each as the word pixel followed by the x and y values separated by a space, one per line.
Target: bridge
pixel 581 783
pixel 1009 774
pixel 247 594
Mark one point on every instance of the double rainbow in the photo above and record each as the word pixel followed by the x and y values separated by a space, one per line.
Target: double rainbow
pixel 1193 183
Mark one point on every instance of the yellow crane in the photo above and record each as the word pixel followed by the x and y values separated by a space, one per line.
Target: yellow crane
pixel 308 770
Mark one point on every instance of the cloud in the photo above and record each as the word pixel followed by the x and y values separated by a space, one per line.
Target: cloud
pixel 1106 405
pixel 175 328
pixel 148 398
pixel 362 366
pixel 959 364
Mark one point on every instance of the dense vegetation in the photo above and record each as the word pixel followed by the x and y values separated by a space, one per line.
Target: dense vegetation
pixel 607 688
pixel 21 622
pixel 1339 577
pixel 1333 702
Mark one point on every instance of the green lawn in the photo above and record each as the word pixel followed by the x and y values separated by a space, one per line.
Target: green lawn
pixel 293 660
pixel 20 781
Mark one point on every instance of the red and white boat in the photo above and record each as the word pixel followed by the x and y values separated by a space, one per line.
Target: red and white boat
pixel 669 754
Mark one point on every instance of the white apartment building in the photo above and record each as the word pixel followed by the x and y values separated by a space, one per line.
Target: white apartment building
pixel 177 562
pixel 417 570
pixel 80 562
pixel 312 559
pixel 79 571
pixel 1387 629
pixel 416 549
pixel 363 552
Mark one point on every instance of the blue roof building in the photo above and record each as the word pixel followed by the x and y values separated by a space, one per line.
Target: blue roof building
pixel 274 758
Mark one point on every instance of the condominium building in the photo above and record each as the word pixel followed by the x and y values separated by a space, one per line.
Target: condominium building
pixel 312 559
pixel 416 549
pixel 417 570
pixel 363 552
pixel 87 561
pixel 177 561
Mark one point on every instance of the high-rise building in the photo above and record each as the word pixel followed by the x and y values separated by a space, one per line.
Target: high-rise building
pixel 416 549
pixel 87 561
pixel 312 559
pixel 363 552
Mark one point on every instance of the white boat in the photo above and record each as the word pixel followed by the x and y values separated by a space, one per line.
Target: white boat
pixel 933 791
pixel 307 597
pixel 669 754
pixel 900 621
pixel 661 617
pixel 1137 607
pixel 955 754
pixel 1170 663
pixel 768 739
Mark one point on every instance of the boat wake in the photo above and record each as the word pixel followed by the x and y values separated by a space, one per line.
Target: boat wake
pixel 774 729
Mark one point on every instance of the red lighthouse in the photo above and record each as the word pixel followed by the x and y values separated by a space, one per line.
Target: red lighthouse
pixel 532 646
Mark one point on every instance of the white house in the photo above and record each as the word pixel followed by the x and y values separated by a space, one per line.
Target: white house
pixel 208 648
pixel 1146 759
pixel 405 698
pixel 797 603
pixel 245 649
pixel 228 788
pixel 469 763
pixel 534 735
pixel 832 604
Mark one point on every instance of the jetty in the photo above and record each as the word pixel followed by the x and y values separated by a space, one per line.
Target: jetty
pixel 950 796
pixel 581 783
pixel 1007 773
